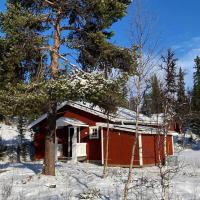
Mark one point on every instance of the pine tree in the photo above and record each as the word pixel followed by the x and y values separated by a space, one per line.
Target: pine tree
pixel 20 56
pixel 79 25
pixel 195 103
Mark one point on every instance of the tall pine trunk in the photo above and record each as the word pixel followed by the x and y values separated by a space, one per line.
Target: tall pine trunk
pixel 49 160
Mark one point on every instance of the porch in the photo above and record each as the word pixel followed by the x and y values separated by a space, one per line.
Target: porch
pixel 68 144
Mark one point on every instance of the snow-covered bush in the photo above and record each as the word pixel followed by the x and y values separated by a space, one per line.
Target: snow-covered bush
pixel 90 194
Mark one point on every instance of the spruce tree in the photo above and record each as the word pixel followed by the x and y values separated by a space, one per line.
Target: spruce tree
pixel 196 86
pixel 169 66
pixel 195 103
pixel 169 95
pixel 156 96
pixel 182 104
pixel 181 95
pixel 146 105
pixel 22 144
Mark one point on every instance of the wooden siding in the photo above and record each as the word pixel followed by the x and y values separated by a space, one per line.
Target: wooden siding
pixel 93 145
pixel 120 148
pixel 83 116
pixel 153 149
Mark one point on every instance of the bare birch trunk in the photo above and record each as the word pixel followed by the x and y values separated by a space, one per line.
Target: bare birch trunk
pixel 105 169
pixel 165 134
pixel 49 159
pixel 130 174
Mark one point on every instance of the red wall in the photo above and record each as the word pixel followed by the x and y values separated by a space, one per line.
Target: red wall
pixel 93 145
pixel 39 141
pixel 83 116
pixel 153 148
pixel 120 142
pixel 120 148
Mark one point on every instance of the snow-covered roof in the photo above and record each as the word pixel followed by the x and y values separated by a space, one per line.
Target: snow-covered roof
pixel 132 128
pixel 65 121
pixel 122 115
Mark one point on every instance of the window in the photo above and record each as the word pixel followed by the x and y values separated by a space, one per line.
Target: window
pixel 94 132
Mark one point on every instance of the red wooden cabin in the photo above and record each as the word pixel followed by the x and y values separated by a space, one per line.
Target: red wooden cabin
pixel 81 135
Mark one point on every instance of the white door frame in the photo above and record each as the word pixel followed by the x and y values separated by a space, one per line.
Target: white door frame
pixel 75 136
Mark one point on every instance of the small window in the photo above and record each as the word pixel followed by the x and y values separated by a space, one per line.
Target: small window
pixel 94 132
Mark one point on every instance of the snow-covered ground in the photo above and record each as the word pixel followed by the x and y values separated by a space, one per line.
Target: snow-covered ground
pixel 22 181
pixel 25 181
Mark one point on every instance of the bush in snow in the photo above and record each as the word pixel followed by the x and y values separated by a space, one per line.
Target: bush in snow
pixel 12 153
pixel 90 194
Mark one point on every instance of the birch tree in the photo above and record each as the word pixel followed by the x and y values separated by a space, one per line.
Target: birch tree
pixel 143 50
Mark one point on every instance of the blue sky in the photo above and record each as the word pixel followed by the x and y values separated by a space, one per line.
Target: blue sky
pixel 177 26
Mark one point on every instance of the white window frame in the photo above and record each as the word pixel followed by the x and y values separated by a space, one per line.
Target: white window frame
pixel 91 128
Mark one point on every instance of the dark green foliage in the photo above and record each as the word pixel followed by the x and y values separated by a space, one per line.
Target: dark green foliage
pixel 195 103
pixel 21 57
pixel 132 104
pixel 113 97
pixel 152 103
pixel 146 105
pixel 196 87
pixel 182 107
pixel 85 27
pixel 80 25
pixel 156 96
pixel 169 66
pixel 22 149
pixel 98 54
pixel 182 103
pixel 27 26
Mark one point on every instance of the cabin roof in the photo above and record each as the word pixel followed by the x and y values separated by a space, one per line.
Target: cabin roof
pixel 122 115
pixel 65 121
pixel 132 128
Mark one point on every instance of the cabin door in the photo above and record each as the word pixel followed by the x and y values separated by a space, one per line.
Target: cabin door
pixel 73 138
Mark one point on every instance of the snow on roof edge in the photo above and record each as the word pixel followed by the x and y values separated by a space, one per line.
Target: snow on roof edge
pixel 86 107
pixel 128 129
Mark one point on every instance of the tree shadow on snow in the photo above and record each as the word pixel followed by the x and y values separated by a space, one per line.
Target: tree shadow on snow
pixel 35 167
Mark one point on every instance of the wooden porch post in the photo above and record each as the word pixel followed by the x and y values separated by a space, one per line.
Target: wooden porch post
pixel 74 145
